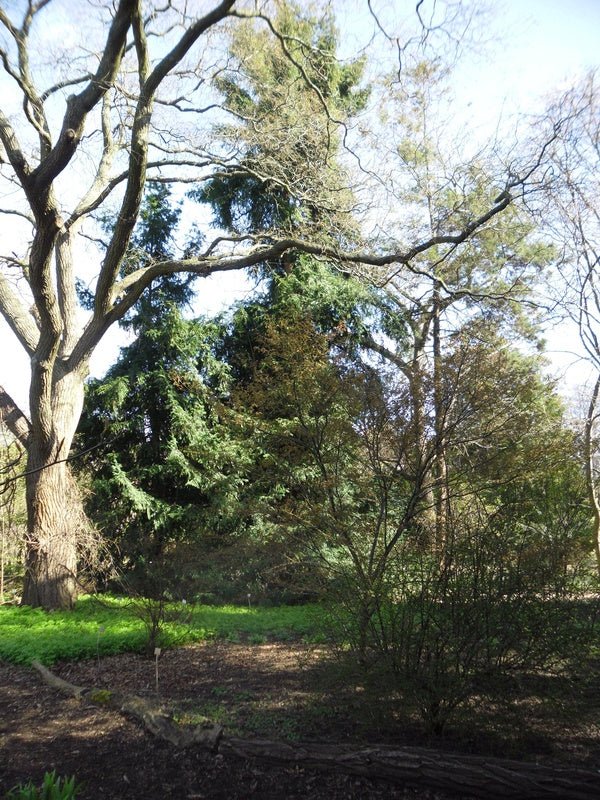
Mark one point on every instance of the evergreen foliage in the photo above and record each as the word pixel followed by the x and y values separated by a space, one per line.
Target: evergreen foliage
pixel 287 97
pixel 170 464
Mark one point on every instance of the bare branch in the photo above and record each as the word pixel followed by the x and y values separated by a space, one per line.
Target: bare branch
pixel 63 85
pixel 14 212
pixel 139 153
pixel 13 150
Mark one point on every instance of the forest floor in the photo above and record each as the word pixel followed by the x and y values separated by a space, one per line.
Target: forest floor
pixel 279 691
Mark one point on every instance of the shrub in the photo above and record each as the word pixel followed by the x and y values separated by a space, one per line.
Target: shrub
pixel 444 626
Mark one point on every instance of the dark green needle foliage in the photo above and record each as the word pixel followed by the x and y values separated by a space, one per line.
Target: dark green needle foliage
pixel 166 467
pixel 153 240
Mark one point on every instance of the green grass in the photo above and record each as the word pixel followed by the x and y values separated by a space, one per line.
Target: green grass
pixel 112 625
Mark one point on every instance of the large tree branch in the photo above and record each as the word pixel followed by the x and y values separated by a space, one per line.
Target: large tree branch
pixel 29 96
pixel 120 296
pixel 370 343
pixel 67 295
pixel 78 106
pixel 13 418
pixel 102 184
pixel 21 322
pixel 32 103
pixel 37 186
pixel 193 33
pixel 124 294
pixel 13 150
pixel 139 149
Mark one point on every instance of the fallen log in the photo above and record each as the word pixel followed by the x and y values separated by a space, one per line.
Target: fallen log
pixel 158 721
pixel 475 776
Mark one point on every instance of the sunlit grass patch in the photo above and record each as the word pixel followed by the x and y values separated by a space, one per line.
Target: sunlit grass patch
pixel 110 625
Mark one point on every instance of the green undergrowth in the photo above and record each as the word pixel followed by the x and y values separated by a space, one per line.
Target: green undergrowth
pixel 110 625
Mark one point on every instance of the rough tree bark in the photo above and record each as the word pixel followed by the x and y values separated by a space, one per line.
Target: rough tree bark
pixel 53 503
pixel 57 523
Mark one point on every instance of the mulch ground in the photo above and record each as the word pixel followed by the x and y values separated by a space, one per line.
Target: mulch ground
pixel 275 691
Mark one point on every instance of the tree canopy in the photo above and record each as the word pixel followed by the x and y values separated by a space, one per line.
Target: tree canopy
pixel 324 177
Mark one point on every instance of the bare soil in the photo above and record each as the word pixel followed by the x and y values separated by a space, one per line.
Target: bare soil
pixel 275 691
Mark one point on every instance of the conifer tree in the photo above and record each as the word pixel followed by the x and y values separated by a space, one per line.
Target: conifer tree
pixel 163 467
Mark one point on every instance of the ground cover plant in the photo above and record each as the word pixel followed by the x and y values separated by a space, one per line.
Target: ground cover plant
pixel 53 788
pixel 109 625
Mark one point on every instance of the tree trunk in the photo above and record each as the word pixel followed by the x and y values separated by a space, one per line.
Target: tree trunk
pixel 51 555
pixel 590 472
pixel 463 775
pixel 441 498
pixel 426 516
pixel 54 510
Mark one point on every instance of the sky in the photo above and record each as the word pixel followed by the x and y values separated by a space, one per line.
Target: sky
pixel 533 48
pixel 544 45
pixel 536 47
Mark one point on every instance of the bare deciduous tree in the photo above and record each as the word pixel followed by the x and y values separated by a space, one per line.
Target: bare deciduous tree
pixel 572 213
